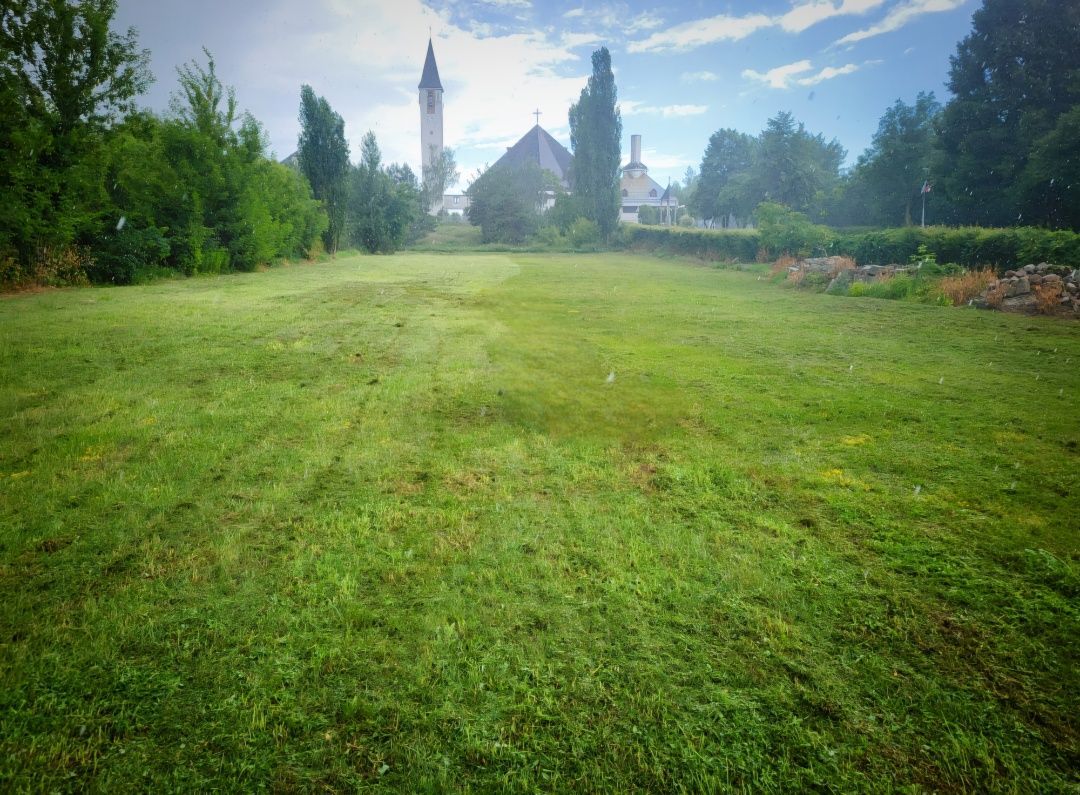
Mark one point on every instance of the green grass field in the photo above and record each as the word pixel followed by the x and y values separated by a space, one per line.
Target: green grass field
pixel 388 523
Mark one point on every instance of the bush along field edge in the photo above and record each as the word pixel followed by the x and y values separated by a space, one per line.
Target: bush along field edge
pixel 1026 269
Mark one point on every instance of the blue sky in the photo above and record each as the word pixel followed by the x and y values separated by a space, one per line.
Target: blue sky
pixel 682 71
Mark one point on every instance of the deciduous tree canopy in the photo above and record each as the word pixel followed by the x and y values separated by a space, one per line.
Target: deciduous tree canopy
pixel 63 76
pixel 1012 79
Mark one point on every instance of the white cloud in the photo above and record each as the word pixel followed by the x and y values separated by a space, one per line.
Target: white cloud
pixel 508 3
pixel 828 73
pixel 631 107
pixel 366 59
pixel 570 40
pixel 699 77
pixel 616 16
pixel 788 75
pixel 899 16
pixel 697 33
pixel 780 76
pixel 803 15
pixel 643 21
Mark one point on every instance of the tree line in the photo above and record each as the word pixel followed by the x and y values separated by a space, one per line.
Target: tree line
pixel 1003 151
pixel 95 188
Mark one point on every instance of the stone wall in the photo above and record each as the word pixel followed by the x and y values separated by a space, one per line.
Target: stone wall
pixel 1043 288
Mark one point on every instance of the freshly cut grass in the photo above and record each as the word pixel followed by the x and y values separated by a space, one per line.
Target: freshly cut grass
pixel 520 523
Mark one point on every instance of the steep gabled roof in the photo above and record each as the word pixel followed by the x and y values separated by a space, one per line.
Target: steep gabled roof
pixel 430 78
pixel 537 146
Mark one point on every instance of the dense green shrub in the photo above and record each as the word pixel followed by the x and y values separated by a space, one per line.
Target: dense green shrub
pixel 119 257
pixel 584 232
pixel 550 237
pixel 730 245
pixel 193 192
pixel 566 209
pixel 648 215
pixel 784 231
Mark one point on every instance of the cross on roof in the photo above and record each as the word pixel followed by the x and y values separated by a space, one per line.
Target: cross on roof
pixel 536 113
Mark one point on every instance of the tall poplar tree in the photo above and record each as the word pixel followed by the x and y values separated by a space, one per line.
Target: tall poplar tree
pixel 595 135
pixel 323 153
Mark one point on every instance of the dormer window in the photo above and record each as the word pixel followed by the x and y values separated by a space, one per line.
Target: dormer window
pixel 624 193
pixel 652 193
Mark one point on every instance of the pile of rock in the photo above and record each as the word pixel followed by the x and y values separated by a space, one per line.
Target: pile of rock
pixel 1034 288
pixel 830 266
pixel 842 271
pixel 867 274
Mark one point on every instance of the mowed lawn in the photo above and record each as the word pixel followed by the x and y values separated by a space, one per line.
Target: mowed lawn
pixel 500 522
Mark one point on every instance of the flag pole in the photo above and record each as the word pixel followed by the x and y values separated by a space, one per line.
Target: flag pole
pixel 924 191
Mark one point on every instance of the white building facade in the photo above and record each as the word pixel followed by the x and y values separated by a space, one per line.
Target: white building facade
pixel 638 190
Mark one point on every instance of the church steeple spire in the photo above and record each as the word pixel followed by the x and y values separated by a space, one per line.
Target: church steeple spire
pixel 430 78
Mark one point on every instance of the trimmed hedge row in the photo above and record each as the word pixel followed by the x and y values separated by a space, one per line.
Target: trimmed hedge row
pixel 970 246
pixel 734 245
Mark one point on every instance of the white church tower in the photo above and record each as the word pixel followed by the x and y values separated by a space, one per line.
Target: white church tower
pixel 431 117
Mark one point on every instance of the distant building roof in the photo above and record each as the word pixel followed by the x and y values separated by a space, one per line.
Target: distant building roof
pixel 537 146
pixel 292 160
pixel 430 78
